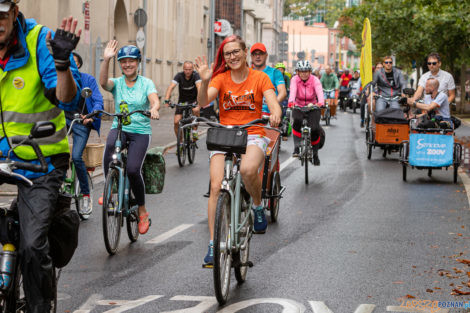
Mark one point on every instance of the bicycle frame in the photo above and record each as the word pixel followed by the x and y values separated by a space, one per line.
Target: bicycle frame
pixel 232 185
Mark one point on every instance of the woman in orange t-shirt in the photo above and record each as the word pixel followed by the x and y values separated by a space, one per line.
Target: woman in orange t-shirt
pixel 241 91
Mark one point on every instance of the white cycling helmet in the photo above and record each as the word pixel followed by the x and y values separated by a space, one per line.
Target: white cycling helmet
pixel 303 66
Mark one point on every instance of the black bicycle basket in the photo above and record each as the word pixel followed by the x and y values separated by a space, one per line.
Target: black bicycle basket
pixel 232 140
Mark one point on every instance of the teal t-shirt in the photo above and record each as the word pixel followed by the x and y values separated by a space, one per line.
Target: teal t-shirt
pixel 136 98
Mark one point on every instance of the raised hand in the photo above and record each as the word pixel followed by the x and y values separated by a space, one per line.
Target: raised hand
pixel 64 42
pixel 205 72
pixel 111 50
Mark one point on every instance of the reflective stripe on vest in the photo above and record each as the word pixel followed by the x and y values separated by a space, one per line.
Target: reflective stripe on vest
pixel 24 103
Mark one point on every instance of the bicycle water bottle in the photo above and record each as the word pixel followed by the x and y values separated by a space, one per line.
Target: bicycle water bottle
pixel 125 109
pixel 7 266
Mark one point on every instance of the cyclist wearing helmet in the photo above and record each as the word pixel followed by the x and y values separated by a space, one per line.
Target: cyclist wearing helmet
pixel 140 94
pixel 81 132
pixel 37 85
pixel 282 68
pixel 306 89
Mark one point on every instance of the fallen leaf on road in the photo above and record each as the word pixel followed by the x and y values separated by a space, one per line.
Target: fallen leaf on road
pixel 410 297
pixel 463 226
pixel 437 288
pixel 460 292
pixel 434 247
pixel 429 290
pixel 459 234
pixel 464 261
pixel 397 282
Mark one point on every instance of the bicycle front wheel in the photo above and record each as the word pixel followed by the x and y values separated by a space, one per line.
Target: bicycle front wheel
pixel 222 256
pixel 112 219
pixel 180 147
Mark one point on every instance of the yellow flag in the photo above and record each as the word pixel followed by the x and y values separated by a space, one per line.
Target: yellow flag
pixel 366 54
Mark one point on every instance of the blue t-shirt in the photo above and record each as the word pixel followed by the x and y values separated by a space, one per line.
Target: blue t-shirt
pixel 276 78
pixel 136 98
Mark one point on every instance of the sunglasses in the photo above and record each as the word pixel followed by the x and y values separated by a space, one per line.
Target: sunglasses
pixel 432 63
pixel 388 62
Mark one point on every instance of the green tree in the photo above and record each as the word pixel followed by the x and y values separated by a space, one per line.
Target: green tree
pixel 330 9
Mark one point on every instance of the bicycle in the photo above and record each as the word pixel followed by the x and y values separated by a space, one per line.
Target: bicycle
pixel 12 296
pixel 326 110
pixel 233 227
pixel 185 144
pixel 118 200
pixel 306 150
pixel 71 185
pixel 286 124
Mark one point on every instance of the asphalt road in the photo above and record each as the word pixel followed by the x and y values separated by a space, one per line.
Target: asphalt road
pixel 356 239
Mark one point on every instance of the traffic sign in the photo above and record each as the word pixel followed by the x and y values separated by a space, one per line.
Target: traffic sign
pixel 140 39
pixel 140 17
pixel 217 27
pixel 225 28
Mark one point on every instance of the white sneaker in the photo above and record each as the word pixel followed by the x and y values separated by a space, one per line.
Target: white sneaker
pixel 87 206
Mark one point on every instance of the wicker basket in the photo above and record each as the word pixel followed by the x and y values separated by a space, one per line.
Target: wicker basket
pixel 93 154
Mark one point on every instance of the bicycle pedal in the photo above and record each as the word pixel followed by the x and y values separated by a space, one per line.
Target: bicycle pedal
pixel 207 265
pixel 206 195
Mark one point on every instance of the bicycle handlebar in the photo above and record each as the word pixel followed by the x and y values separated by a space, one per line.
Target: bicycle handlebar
pixel 183 105
pixel 253 123
pixel 307 108
pixel 118 115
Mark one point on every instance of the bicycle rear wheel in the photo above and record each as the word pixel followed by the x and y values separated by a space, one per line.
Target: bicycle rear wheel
pixel 191 147
pixel 180 147
pixel 274 201
pixel 222 255
pixel 112 219
pixel 132 223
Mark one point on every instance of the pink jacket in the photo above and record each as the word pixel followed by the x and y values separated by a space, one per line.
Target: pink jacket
pixel 303 93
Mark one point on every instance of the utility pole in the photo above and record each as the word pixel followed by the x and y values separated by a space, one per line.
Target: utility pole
pixel 144 52
pixel 212 34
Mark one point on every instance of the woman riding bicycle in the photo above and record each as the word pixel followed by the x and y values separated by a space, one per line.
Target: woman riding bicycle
pixel 240 90
pixel 306 89
pixel 138 93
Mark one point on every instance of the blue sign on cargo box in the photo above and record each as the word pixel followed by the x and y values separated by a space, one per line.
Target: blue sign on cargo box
pixel 431 150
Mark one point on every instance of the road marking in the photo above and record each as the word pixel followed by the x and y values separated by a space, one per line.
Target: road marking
pixel 126 305
pixel 320 307
pixel 288 306
pixel 286 163
pixel 205 304
pixel 466 183
pixel 169 234
pixel 90 304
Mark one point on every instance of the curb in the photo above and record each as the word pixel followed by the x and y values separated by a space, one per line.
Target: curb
pixel 99 171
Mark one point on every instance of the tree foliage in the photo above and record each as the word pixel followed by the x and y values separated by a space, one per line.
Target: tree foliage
pixel 308 8
pixel 410 29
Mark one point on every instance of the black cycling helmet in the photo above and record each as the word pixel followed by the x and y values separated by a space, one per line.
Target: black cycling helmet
pixel 80 60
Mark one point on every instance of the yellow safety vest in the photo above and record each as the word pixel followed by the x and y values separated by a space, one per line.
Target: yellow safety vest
pixel 24 103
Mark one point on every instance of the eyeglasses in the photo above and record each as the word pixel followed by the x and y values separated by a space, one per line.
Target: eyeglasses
pixel 235 53
pixel 432 63
pixel 388 62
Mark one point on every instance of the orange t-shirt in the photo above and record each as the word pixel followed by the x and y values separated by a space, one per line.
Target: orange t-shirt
pixel 241 103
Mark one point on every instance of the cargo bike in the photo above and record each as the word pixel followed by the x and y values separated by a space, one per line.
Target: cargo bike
pixel 430 149
pixel 386 129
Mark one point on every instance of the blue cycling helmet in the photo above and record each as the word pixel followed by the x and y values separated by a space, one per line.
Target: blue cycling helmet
pixel 129 52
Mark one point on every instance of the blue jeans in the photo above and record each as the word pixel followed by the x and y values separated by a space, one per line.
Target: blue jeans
pixel 80 134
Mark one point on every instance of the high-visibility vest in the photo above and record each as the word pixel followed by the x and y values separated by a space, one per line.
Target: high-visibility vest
pixel 24 103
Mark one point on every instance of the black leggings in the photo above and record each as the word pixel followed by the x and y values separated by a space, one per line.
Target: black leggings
pixel 313 121
pixel 137 145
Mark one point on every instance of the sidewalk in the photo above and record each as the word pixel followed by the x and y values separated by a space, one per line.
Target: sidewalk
pixel 162 136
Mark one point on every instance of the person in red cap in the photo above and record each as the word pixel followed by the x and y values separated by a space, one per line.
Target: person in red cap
pixel 259 56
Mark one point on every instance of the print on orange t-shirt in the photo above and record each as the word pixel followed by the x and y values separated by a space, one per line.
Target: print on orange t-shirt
pixel 241 103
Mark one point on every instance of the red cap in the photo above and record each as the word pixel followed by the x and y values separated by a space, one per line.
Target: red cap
pixel 258 46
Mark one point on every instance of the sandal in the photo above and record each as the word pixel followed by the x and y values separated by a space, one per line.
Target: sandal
pixel 144 223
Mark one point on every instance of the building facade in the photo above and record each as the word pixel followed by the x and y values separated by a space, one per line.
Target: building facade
pixel 176 31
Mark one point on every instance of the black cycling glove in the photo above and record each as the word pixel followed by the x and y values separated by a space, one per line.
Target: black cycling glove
pixel 403 101
pixel 61 46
